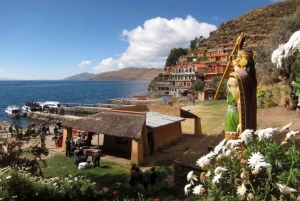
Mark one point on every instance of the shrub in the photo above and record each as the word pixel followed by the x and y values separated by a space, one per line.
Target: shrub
pixel 271 103
pixel 254 167
pixel 14 155
pixel 21 185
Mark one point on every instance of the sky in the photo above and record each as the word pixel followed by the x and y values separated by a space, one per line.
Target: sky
pixel 55 39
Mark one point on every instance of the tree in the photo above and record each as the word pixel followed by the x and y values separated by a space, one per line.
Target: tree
pixel 198 85
pixel 174 55
pixel 14 155
pixel 215 83
pixel 194 44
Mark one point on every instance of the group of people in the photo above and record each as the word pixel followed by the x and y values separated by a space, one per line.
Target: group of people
pixel 138 176
pixel 76 148
pixel 52 110
pixel 15 130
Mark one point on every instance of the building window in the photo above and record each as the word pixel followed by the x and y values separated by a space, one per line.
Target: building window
pixel 122 140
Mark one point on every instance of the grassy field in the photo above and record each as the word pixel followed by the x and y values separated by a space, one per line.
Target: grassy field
pixel 212 114
pixel 112 176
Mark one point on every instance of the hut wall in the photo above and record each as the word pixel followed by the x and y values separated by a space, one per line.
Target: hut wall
pixel 201 96
pixel 137 108
pixel 117 144
pixel 164 135
pixel 67 133
pixel 167 110
pixel 137 153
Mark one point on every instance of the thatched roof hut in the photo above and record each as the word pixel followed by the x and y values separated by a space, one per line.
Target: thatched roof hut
pixel 111 123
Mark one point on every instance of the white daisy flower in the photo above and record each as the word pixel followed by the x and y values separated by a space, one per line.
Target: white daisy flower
pixel 264 133
pixel 207 173
pixel 290 134
pixel 286 127
pixel 255 159
pixel 8 177
pixel 261 165
pixel 197 189
pixel 228 153
pixel 247 136
pixel 286 190
pixel 211 154
pixel 191 177
pixel 233 143
pixel 241 190
pixel 219 170
pixel 203 161
pixel 219 146
pixel 105 190
pixel 217 178
pixel 186 189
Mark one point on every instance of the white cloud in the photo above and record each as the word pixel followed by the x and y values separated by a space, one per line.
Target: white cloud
pixel 2 71
pixel 275 1
pixel 150 44
pixel 84 63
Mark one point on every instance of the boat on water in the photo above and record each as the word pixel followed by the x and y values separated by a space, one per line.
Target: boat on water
pixel 26 108
pixel 14 111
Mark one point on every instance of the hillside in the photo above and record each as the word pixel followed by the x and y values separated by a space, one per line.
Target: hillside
pixel 257 24
pixel 80 77
pixel 131 73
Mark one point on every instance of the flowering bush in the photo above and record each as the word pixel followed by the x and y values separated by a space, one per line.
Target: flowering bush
pixel 254 167
pixel 14 155
pixel 21 185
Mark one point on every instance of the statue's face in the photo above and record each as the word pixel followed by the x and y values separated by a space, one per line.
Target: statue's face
pixel 236 68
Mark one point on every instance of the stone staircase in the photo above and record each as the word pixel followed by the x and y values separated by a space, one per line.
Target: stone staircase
pixel 187 163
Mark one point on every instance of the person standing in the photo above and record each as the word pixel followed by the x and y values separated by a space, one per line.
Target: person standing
pixel 55 131
pixel 96 158
pixel 10 130
pixel 132 175
pixel 153 177
pixel 141 178
pixel 68 147
pixel 42 136
pixel 79 141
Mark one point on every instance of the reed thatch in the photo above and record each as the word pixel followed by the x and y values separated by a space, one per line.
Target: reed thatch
pixel 111 123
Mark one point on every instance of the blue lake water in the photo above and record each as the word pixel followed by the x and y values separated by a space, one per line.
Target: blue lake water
pixel 88 92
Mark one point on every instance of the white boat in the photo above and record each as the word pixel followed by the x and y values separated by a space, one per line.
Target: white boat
pixel 26 108
pixel 51 104
pixel 14 110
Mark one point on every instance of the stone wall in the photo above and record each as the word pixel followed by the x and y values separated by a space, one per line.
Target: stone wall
pixel 130 101
pixel 50 118
pixel 181 171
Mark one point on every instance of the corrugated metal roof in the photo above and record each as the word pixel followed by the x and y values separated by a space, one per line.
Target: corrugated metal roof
pixel 155 119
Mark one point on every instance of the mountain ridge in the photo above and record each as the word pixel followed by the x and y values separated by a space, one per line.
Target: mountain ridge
pixel 257 24
pixel 130 73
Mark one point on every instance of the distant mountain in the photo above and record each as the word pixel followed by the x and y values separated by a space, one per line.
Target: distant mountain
pixel 7 79
pixel 130 73
pixel 80 77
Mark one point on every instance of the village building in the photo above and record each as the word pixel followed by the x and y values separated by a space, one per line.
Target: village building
pixel 136 131
pixel 203 64
pixel 182 77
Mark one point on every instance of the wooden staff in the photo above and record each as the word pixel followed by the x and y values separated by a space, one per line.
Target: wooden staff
pixel 233 52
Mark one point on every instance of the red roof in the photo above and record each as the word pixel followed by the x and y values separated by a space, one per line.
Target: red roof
pixel 219 55
pixel 200 65
pixel 226 44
